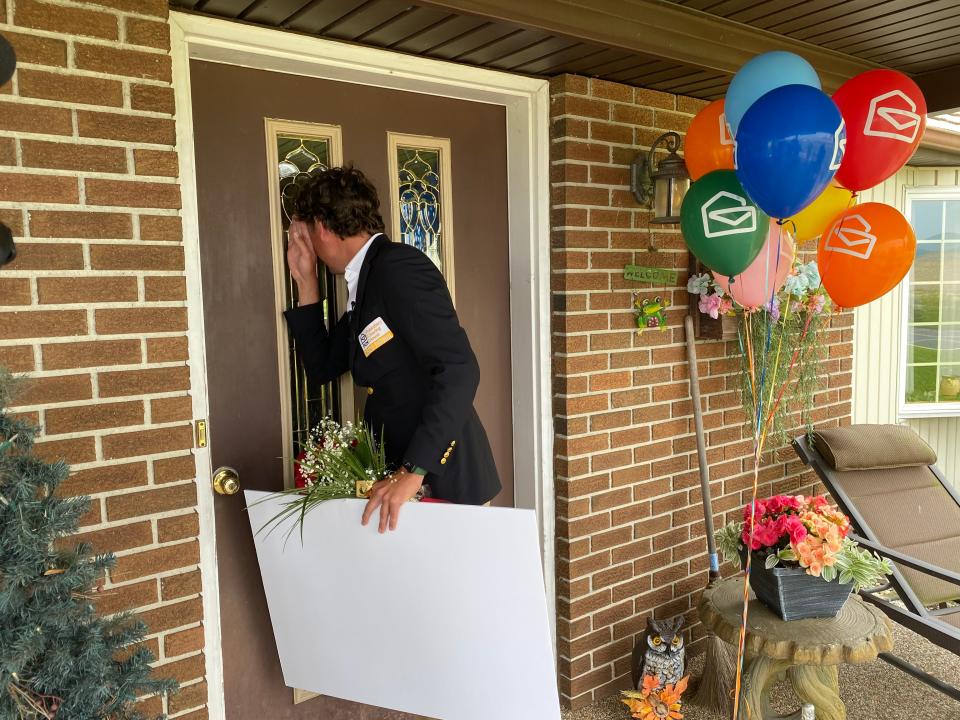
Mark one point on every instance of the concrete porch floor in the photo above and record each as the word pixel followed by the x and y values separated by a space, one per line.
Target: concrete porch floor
pixel 875 691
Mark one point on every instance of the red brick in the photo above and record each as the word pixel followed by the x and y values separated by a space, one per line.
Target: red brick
pixel 38 50
pixel 167 617
pixel 156 162
pixel 105 478
pixel 98 353
pixel 93 417
pixel 55 389
pixel 183 670
pixel 147 442
pixel 25 117
pixel 69 156
pixel 66 19
pixel 63 290
pixel 86 225
pixel 160 227
pixel 152 562
pixel 132 128
pixel 157 8
pixel 124 193
pixel 42 323
pixel 154 98
pixel 179 527
pixel 182 585
pixel 14 291
pixel 165 410
pixel 569 84
pixel 114 539
pixel 141 320
pixel 129 597
pixel 17 358
pixel 183 642
pixel 188 697
pixel 136 257
pixel 148 33
pixel 173 349
pixel 144 382
pixel 74 451
pixel 22 187
pixel 121 61
pixel 74 89
pixel 579 106
pixel 632 114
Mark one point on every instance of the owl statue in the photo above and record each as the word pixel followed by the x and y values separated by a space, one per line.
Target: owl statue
pixel 659 652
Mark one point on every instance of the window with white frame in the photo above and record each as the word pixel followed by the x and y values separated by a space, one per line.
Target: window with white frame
pixel 931 353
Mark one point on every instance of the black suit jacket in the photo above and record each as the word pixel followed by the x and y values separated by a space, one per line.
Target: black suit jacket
pixel 422 381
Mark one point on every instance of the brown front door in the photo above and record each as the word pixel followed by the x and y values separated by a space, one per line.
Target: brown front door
pixel 440 167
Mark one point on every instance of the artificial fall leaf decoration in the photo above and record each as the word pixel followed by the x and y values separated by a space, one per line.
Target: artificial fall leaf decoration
pixel 653 704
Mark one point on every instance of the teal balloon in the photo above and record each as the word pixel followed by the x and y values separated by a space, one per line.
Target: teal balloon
pixel 759 76
pixel 721 225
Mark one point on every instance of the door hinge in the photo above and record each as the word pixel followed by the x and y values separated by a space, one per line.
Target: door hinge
pixel 201 433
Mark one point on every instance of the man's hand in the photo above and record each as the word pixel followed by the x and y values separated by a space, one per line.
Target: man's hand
pixel 302 261
pixel 390 495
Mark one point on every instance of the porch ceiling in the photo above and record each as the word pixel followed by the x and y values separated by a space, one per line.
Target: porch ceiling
pixel 683 46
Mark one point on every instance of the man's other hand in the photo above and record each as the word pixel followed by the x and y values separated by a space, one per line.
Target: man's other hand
pixel 390 495
pixel 302 261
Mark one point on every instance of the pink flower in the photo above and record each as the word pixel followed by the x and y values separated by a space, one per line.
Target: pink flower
pixel 794 526
pixel 710 305
pixel 726 306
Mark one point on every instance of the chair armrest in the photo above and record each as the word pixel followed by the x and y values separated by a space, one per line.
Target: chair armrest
pixel 908 561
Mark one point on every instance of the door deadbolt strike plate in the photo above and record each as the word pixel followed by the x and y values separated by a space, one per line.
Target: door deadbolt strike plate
pixel 201 433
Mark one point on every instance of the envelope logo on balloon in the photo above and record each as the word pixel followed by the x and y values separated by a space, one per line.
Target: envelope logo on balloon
pixel 726 137
pixel 839 145
pixel 851 236
pixel 728 214
pixel 893 115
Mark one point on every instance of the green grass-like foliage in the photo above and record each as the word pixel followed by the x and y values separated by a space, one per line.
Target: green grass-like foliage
pixel 58 657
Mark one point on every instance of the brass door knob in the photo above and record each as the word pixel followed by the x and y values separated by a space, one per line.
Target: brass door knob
pixel 226 481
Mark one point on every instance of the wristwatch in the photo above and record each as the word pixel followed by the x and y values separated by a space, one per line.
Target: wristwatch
pixel 413 469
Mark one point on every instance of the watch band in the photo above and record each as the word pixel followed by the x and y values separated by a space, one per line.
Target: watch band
pixel 415 469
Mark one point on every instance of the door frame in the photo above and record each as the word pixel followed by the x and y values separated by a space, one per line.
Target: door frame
pixel 526 101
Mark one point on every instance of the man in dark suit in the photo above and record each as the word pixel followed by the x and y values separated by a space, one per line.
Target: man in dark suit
pixel 400 338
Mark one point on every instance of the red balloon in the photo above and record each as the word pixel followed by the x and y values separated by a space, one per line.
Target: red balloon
pixel 885 115
pixel 866 252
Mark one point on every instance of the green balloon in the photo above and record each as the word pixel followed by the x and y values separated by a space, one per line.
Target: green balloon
pixel 721 224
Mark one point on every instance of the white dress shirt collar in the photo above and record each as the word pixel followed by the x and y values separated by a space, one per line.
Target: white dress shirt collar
pixel 352 272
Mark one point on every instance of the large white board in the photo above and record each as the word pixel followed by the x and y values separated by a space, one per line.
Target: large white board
pixel 445 617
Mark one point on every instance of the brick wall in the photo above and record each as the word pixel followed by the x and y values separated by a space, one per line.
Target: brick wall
pixel 630 536
pixel 94 307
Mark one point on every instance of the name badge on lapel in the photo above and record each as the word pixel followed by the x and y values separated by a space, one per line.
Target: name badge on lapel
pixel 374 335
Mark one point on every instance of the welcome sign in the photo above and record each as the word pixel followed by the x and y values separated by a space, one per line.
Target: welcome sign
pixel 660 276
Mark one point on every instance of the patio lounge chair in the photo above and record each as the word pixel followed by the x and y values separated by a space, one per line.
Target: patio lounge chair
pixel 884 478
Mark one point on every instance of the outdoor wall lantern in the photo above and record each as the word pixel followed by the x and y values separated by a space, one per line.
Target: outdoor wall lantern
pixel 663 188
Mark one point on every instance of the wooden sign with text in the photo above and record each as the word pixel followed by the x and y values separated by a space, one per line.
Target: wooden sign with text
pixel 659 276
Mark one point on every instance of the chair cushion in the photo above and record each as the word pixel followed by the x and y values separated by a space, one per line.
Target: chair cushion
pixel 870 447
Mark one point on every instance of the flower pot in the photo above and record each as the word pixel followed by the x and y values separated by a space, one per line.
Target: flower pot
pixel 793 594
pixel 949 387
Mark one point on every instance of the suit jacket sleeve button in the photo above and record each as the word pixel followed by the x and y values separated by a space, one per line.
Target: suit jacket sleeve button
pixel 369 391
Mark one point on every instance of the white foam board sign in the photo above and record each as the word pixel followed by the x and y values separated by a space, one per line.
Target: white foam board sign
pixel 445 617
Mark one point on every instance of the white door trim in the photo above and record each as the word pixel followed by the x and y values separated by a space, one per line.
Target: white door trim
pixel 527 110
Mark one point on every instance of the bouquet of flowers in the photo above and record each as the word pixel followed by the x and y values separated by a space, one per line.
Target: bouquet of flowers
pixel 801 531
pixel 655 702
pixel 337 461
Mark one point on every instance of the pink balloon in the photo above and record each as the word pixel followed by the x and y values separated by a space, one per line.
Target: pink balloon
pixel 766 274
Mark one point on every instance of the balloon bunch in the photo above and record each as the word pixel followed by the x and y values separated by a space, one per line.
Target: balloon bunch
pixel 777 150
pixel 777 163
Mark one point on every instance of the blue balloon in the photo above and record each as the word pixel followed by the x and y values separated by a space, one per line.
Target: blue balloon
pixel 761 75
pixel 789 148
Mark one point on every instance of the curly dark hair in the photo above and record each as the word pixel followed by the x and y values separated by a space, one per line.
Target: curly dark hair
pixel 342 199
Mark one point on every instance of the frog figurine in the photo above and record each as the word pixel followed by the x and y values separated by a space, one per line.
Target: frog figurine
pixel 651 313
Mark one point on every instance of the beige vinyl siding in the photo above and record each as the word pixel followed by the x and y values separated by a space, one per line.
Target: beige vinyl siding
pixel 877 338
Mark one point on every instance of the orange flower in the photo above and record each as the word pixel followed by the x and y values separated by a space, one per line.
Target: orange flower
pixel 651 704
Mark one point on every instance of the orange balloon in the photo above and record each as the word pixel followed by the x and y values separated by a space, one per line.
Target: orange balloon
pixel 864 255
pixel 709 144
